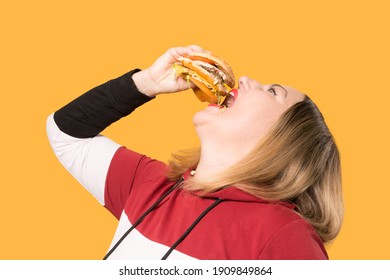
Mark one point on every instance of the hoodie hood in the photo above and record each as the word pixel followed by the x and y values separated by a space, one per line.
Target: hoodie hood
pixel 232 193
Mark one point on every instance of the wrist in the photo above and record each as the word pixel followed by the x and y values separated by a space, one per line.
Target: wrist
pixel 144 83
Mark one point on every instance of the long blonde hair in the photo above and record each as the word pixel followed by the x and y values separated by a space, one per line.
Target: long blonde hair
pixel 297 161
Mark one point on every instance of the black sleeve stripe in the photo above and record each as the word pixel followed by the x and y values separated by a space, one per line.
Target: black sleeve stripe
pixel 92 112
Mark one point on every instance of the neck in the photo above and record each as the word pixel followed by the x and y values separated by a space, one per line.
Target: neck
pixel 214 161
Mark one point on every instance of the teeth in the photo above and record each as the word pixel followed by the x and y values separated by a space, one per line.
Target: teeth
pixel 229 100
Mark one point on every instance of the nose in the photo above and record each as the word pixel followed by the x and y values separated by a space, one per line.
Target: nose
pixel 245 82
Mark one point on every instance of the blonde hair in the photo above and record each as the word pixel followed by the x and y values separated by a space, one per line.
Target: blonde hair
pixel 297 161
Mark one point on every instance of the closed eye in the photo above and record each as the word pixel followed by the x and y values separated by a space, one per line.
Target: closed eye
pixel 275 89
pixel 272 90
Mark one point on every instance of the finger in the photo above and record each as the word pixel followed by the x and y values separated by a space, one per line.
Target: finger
pixel 184 84
pixel 180 51
pixel 195 48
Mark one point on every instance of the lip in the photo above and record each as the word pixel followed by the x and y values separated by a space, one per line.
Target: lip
pixel 235 93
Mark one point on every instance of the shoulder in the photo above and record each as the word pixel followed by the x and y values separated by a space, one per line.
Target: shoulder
pixel 291 237
pixel 135 166
pixel 267 229
pixel 132 175
pixel 278 232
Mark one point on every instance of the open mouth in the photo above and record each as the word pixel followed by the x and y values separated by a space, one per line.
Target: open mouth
pixel 230 98
pixel 228 101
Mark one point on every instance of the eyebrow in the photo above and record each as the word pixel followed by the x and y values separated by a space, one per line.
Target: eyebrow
pixel 277 85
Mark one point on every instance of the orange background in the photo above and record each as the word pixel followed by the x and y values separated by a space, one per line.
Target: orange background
pixel 53 51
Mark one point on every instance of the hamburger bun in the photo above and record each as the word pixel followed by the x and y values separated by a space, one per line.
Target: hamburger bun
pixel 212 76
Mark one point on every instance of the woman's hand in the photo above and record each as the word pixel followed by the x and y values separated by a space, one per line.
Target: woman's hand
pixel 160 77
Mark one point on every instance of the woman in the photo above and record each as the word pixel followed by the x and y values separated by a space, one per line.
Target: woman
pixel 265 183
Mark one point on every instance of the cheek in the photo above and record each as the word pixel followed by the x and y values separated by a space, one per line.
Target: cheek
pixel 247 127
pixel 268 117
pixel 260 120
pixel 261 111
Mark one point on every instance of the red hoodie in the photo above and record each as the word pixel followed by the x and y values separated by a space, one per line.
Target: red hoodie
pixel 241 226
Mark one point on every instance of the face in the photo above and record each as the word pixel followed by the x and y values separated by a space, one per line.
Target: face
pixel 248 116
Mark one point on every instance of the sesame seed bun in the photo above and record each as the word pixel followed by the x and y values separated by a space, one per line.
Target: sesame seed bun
pixel 212 76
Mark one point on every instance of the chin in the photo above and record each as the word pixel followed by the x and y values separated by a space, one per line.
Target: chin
pixel 205 116
pixel 199 118
pixel 206 125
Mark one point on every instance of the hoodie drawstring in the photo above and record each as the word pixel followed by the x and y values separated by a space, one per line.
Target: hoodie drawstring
pixel 140 219
pixel 208 209
pixel 151 208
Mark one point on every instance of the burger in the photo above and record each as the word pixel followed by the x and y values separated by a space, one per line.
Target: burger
pixel 212 76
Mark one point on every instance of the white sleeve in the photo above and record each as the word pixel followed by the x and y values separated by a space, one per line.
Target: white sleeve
pixel 87 159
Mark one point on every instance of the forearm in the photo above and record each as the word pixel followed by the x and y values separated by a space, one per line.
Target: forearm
pixel 87 159
pixel 92 112
pixel 73 131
